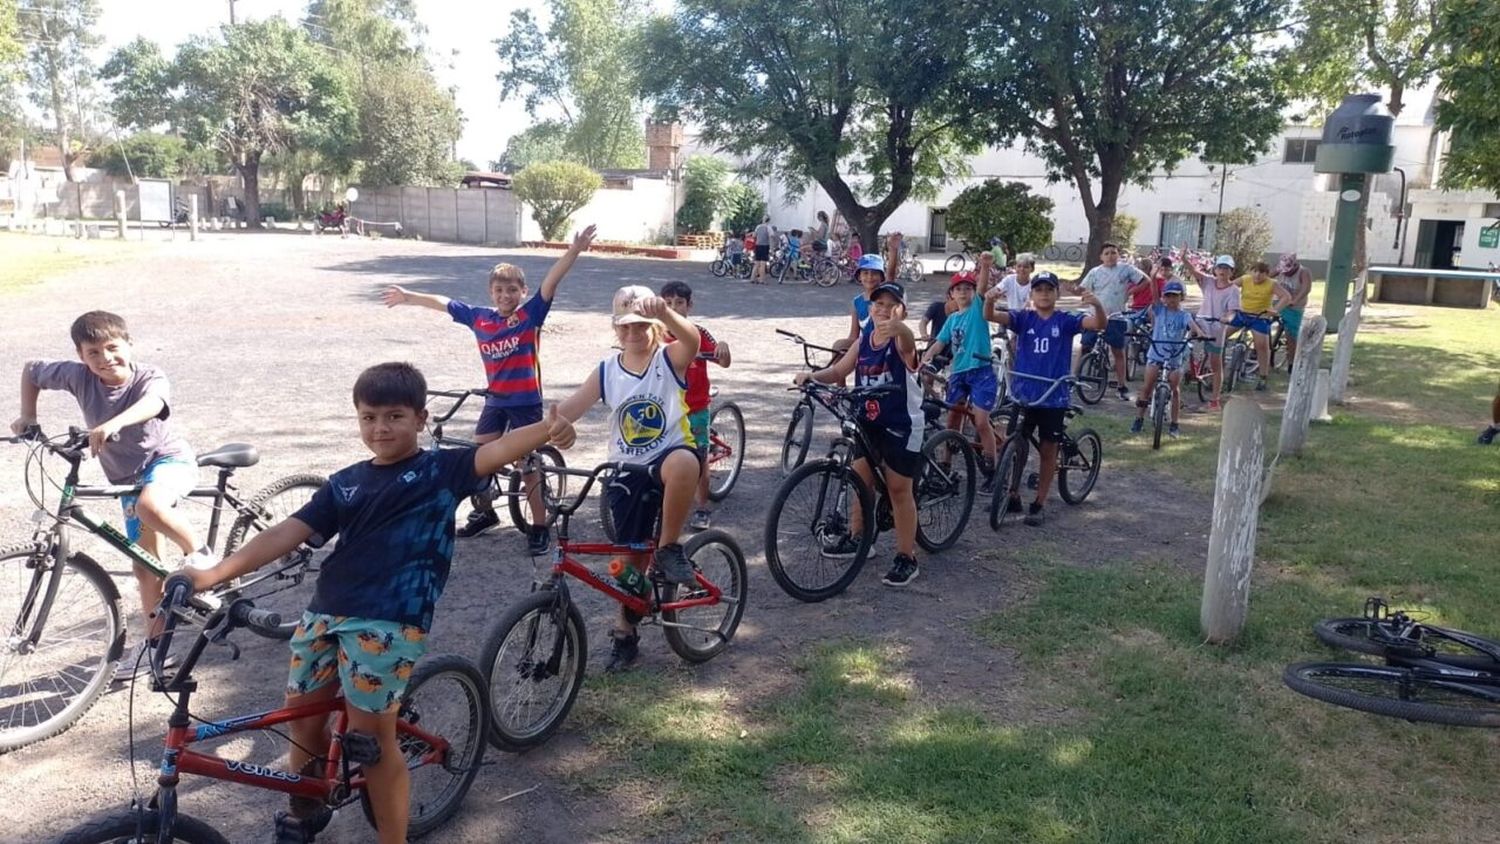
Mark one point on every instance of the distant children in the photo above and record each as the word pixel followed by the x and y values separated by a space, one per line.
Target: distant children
pixel 509 337
pixel 1254 312
pixel 679 297
pixel 1293 284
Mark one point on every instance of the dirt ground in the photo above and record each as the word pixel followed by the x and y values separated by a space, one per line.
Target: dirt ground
pixel 263 335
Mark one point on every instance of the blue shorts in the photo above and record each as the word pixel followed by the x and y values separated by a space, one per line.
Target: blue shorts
pixel 698 424
pixel 977 386
pixel 499 420
pixel 1291 323
pixel 170 480
pixel 1114 335
pixel 372 659
pixel 1257 324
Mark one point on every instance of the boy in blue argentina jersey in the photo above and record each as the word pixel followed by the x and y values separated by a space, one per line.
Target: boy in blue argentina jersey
pixel 972 379
pixel 1170 325
pixel 1045 349
pixel 372 607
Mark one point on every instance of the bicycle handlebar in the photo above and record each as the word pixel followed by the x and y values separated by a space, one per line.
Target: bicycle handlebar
pixel 73 443
pixel 177 596
pixel 1065 382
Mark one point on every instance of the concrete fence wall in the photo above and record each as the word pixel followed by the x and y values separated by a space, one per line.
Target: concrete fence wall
pixel 482 216
pixel 641 213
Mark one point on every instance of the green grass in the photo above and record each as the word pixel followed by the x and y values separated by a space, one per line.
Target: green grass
pixel 33 258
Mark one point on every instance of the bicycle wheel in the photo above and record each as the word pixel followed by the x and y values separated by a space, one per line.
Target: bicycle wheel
pixel 1093 377
pixel 1234 364
pixel 128 827
pixel 707 629
pixel 1384 639
pixel 1134 362
pixel 1159 403
pixel 718 268
pixel 955 263
pixel 606 517
pixel 798 437
pixel 1278 349
pixel 554 489
pixel 1073 253
pixel 1078 466
pixel 809 514
pixel 826 273
pixel 1396 693
pixel 726 449
pixel 1010 466
pixel 286 585
pixel 743 269
pixel 944 490
pixel 48 688
pixel 446 699
pixel 534 659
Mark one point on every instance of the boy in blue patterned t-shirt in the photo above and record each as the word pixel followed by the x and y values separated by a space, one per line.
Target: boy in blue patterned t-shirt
pixel 368 620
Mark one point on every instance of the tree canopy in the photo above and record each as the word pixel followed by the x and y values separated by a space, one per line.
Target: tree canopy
pixel 1470 94
pixel 148 155
pixel 1007 210
pixel 704 189
pixel 1344 45
pixel 536 143
pixel 60 37
pixel 140 82
pixel 555 190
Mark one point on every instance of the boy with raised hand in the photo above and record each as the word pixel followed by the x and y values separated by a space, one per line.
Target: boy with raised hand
pixel 1220 299
pixel 679 297
pixel 1170 326
pixel 1045 349
pixel 971 380
pixel 1112 281
pixel 373 604
pixel 509 337
pixel 128 408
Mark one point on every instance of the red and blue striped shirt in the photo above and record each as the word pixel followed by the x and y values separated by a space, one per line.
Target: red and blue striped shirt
pixel 508 346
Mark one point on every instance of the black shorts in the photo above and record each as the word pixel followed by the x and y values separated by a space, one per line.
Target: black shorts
pixel 501 420
pixel 1049 422
pixel 891 451
pixel 762 253
pixel 634 500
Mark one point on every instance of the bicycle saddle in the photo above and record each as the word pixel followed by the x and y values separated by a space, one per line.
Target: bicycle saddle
pixel 231 456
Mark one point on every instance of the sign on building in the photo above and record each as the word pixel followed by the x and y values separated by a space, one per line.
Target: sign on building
pixel 1489 237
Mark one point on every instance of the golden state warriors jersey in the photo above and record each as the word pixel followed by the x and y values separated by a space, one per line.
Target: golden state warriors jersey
pixel 648 412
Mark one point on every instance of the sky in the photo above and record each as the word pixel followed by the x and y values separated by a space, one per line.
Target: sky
pixel 452 25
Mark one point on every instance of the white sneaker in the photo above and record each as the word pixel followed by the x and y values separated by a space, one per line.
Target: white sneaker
pixel 200 560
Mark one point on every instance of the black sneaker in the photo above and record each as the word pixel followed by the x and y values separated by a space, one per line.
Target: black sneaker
pixel 623 653
pixel 1034 515
pixel 1013 505
pixel 1124 393
pixel 293 830
pixel 903 571
pixel 538 541
pixel 987 486
pixel 479 522
pixel 701 519
pixel 669 560
pixel 1173 431
pixel 1260 386
pixel 1488 435
pixel 839 546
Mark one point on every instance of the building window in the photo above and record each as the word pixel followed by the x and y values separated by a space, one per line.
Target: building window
pixel 1300 151
pixel 1198 231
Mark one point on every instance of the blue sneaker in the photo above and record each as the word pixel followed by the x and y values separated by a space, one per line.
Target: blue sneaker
pixel 1137 425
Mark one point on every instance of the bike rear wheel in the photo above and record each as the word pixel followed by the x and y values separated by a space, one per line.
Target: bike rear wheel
pixel 809 513
pixel 944 490
pixel 533 660
pixel 726 449
pixel 718 268
pixel 1160 401
pixel 1093 377
pixel 129 827
pixel 1396 693
pixel 955 263
pixel 1010 466
pixel 1234 364
pixel 48 688
pixel 286 585
pixel 798 437
pixel 709 627
pixel 554 489
pixel 1384 639
pixel 445 698
pixel 1078 462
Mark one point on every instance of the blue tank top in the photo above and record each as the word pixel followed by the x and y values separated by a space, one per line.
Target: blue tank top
pixel 862 313
pixel 899 412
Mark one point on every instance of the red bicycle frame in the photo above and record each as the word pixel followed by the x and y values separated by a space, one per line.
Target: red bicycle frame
pixel 637 604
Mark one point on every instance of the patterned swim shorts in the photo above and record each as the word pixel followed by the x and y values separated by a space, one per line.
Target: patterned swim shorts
pixel 373 659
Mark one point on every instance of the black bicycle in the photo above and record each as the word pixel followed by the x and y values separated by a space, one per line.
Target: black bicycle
pixel 1078 457
pixel 811 512
pixel 1432 674
pixel 65 627
pixel 509 484
pixel 1092 377
pixel 799 429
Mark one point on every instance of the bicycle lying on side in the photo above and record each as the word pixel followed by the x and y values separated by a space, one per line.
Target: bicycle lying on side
pixel 1432 674
pixel 64 621
pixel 1078 457
pixel 441 727
pixel 510 484
pixel 799 429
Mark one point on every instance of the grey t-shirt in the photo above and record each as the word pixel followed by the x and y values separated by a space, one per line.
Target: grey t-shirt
pixel 763 234
pixel 1108 283
pixel 139 445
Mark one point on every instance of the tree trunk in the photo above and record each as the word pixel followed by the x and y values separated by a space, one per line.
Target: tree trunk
pixel 250 175
pixel 64 135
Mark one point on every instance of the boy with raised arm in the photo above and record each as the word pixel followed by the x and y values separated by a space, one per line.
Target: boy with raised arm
pixel 367 624
pixel 1112 281
pixel 509 337
pixel 971 380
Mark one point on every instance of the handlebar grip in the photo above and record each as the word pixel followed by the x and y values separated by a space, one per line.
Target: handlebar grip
pixel 244 613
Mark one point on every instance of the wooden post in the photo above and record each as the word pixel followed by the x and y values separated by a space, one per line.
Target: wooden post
pixel 1299 395
pixel 193 216
pixel 1231 539
pixel 1343 351
pixel 120 211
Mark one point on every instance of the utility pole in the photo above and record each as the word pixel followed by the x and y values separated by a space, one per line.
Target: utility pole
pixel 231 12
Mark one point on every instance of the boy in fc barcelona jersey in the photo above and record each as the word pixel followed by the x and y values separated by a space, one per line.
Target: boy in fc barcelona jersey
pixel 509 336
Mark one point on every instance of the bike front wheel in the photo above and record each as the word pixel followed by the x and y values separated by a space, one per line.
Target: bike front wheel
pixel 700 633
pixel 798 437
pixel 726 449
pixel 554 489
pixel 1383 639
pixel 1159 404
pixel 718 268
pixel 1396 693
pixel 944 490
pixel 1010 466
pixel 142 827
pixel 955 264
pixel 1093 377
pixel 534 660
pixel 1078 466
pixel 806 528
pixel 285 585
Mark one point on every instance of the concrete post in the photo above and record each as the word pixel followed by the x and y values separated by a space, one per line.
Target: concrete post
pixel 193 216
pixel 1343 350
pixel 1236 516
pixel 1320 398
pixel 1299 395
pixel 120 211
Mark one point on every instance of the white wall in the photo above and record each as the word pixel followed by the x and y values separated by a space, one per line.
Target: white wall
pixel 639 214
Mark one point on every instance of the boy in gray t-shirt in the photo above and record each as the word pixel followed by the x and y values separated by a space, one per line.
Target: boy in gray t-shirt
pixel 130 402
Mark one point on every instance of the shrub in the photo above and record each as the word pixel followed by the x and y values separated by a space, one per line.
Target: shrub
pixel 1245 234
pixel 703 193
pixel 1008 210
pixel 555 190
pixel 743 208
pixel 278 210
pixel 1124 231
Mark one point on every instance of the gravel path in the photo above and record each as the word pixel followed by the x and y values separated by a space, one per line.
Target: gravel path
pixel 263 335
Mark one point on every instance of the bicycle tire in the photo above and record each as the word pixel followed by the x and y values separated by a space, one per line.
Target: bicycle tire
pixel 726 423
pixel 1393 692
pixel 733 583
pixel 788 575
pixel 606 517
pixel 1358 635
pixel 744 269
pixel 130 827
pixel 1132 364
pixel 798 438
pixel 1010 466
pixel 554 489
pixel 826 273
pixel 1278 349
pixel 504 733
pixel 458 771
pixel 1159 414
pixel 938 485
pixel 1234 362
pixel 956 263
pixel 1093 377
pixel 718 268
pixel 285 586
pixel 1073 253
pixel 16 730
pixel 1082 456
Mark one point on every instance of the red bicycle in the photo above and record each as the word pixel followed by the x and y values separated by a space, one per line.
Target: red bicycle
pixel 443 719
pixel 534 656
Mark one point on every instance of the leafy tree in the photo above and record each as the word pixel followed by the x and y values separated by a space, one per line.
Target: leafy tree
pixel 1126 225
pixel 1470 103
pixel 408 125
pixel 370 31
pixel 467 165
pixel 1007 210
pixel 585 69
pixel 61 35
pixel 743 207
pixel 1109 92
pixel 148 155
pixel 866 98
pixel 140 81
pixel 1245 234
pixel 555 190
pixel 11 50
pixel 536 143
pixel 703 192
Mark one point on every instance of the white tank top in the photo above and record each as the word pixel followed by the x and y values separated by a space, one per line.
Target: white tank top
pixel 648 412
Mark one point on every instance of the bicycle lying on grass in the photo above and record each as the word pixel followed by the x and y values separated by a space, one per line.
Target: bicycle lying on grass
pixel 65 628
pixel 441 729
pixel 1431 674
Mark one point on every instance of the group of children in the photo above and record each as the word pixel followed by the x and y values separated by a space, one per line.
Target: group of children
pixel 394 513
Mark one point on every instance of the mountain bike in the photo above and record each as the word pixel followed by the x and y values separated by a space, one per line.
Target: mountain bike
pixel 1432 674
pixel 799 429
pixel 65 623
pixel 1094 367
pixel 1071 252
pixel 1078 457
pixel 441 727
pixel 911 269
pixel 514 489
pixel 812 508
pixel 534 656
